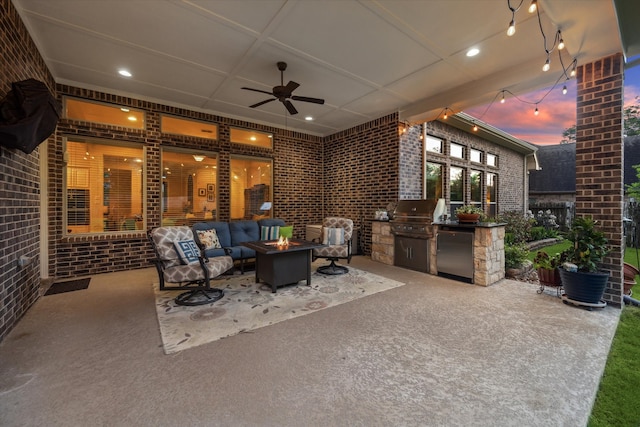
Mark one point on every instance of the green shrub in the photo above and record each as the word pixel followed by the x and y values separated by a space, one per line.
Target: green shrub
pixel 518 225
pixel 515 255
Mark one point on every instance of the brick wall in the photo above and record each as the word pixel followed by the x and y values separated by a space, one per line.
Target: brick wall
pixel 599 157
pixel 297 168
pixel 510 170
pixel 19 180
pixel 361 173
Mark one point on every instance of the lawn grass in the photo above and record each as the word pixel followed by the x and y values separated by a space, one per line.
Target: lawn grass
pixel 618 399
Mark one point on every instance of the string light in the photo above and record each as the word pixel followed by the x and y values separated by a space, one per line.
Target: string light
pixel 561 41
pixel 536 112
pixel 564 89
pixel 533 6
pixel 547 64
pixel 502 101
pixel 512 25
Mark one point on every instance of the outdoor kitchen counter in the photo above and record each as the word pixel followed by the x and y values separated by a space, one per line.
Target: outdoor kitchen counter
pixel 488 249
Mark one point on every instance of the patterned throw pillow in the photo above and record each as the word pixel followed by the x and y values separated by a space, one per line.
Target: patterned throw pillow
pixel 332 236
pixel 188 251
pixel 269 233
pixel 209 238
pixel 287 231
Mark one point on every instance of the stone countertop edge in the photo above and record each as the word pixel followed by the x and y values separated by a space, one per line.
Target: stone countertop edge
pixel 477 225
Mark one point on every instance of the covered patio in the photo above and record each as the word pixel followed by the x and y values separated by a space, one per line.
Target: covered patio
pixel 431 352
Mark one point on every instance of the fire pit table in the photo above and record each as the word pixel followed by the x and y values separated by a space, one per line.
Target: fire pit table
pixel 279 265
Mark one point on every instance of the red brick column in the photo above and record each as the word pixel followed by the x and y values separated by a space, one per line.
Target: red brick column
pixel 599 158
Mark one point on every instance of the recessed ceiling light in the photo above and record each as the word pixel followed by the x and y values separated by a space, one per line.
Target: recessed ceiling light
pixel 124 73
pixel 473 51
pixel 308 118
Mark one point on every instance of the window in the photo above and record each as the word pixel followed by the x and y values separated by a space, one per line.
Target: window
pixel 456 186
pixel 475 156
pixel 90 111
pixel 251 137
pixel 492 190
pixel 492 160
pixel 432 144
pixel 251 187
pixel 433 181
pixel 188 127
pixel 188 186
pixel 457 151
pixel 104 184
pixel 475 182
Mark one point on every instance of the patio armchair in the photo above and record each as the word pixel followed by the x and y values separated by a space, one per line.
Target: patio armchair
pixel 336 236
pixel 181 263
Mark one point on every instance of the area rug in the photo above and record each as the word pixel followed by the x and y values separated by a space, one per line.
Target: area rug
pixel 68 286
pixel 247 305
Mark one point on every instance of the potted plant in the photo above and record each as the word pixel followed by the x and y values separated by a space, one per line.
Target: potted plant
pixel 469 214
pixel 547 267
pixel 581 279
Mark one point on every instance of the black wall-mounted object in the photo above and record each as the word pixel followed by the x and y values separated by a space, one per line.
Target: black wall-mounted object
pixel 29 114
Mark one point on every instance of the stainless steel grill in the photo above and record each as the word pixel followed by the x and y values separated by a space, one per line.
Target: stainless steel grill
pixel 412 229
pixel 413 218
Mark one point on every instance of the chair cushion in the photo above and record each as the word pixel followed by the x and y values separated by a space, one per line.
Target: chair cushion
pixel 188 251
pixel 209 238
pixel 287 231
pixel 269 233
pixel 332 236
pixel 244 231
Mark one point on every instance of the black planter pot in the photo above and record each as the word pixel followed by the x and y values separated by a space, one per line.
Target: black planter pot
pixel 584 287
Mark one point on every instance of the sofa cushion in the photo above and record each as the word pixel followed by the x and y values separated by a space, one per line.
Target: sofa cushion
pixel 244 231
pixel 188 251
pixel 269 233
pixel 209 238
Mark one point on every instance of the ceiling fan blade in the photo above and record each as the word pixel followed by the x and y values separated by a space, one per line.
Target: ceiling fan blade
pixel 290 87
pixel 261 103
pixel 292 110
pixel 307 99
pixel 257 90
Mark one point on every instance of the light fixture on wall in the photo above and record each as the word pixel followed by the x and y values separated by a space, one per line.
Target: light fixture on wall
pixel 198 157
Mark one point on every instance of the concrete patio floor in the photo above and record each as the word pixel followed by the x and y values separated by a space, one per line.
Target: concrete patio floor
pixel 434 352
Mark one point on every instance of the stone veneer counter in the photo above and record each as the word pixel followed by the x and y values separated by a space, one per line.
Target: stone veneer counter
pixel 488 248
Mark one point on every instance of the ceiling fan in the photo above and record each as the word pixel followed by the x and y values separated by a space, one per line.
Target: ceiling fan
pixel 283 93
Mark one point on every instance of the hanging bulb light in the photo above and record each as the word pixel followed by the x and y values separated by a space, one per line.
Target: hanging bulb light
pixel 445 115
pixel 561 42
pixel 512 28
pixel 533 6
pixel 475 127
pixel 564 89
pixel 536 112
pixel 573 70
pixel 547 64
pixel 502 101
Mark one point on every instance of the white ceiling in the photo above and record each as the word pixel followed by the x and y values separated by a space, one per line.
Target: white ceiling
pixel 365 58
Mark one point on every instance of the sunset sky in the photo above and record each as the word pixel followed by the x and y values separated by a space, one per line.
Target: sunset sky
pixel 557 111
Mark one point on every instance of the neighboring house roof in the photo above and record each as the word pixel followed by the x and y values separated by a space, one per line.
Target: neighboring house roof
pixel 557 172
pixel 558 167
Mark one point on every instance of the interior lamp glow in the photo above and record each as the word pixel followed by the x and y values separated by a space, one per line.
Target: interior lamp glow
pixel 198 157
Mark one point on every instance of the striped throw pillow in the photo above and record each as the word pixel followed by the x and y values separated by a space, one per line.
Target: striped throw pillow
pixel 270 233
pixel 332 236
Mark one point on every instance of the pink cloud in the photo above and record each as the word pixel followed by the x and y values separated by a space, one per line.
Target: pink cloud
pixel 557 111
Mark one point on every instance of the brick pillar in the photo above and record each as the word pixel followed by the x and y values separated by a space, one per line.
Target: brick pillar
pixel 599 158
